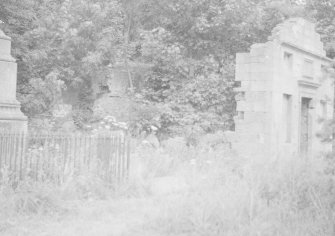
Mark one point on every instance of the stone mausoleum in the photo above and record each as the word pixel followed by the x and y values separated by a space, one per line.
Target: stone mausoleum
pixel 11 117
pixel 285 93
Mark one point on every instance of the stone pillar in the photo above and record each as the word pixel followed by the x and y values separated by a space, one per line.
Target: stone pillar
pixel 11 117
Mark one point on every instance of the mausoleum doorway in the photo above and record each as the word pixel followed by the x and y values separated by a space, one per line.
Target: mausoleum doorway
pixel 305 125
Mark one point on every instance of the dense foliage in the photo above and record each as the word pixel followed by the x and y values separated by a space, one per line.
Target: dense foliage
pixel 189 48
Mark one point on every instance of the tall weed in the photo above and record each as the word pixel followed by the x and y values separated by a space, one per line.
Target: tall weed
pixel 228 195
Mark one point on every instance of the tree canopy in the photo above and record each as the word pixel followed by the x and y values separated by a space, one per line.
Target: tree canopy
pixel 190 46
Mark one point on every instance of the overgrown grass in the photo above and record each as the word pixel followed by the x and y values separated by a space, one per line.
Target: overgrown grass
pixel 177 190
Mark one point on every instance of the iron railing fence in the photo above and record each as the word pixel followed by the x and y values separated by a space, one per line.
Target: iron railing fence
pixel 55 157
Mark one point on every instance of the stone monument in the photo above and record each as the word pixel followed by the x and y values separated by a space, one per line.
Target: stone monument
pixel 11 117
pixel 285 93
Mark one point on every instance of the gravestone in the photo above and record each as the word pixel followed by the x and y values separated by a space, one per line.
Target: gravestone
pixel 11 117
pixel 285 92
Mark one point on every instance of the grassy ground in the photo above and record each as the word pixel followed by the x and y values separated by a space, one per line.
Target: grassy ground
pixel 181 191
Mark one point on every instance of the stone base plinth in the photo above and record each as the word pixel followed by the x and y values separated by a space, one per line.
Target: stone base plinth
pixel 11 118
pixel 13 126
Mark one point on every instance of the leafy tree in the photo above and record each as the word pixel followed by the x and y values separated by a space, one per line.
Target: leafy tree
pixel 63 44
pixel 324 14
pixel 192 45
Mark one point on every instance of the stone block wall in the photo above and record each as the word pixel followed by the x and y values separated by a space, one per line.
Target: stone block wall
pixel 283 94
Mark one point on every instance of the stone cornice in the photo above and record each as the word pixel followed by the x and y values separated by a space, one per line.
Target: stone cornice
pixel 3 36
pixel 311 53
pixel 7 58
pixel 14 118
pixel 9 103
pixel 308 84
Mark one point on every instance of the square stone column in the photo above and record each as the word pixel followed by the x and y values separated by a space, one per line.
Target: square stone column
pixel 11 117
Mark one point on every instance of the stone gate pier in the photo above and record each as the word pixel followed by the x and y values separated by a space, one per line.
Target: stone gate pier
pixel 11 117
pixel 285 93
